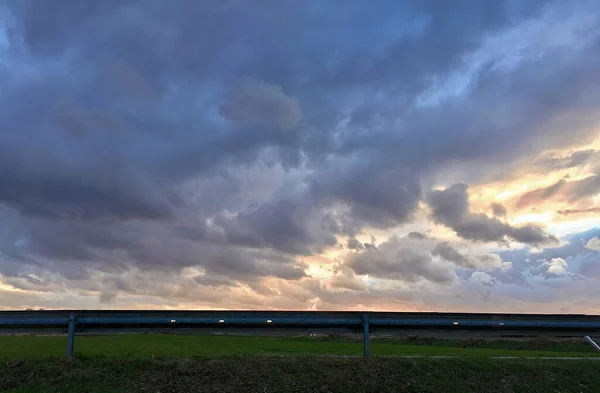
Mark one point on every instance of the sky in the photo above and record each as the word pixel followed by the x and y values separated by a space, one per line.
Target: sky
pixel 415 155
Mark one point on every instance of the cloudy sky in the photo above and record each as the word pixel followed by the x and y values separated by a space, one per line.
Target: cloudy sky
pixel 279 154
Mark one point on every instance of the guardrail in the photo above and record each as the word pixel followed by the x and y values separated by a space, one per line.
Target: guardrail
pixel 115 321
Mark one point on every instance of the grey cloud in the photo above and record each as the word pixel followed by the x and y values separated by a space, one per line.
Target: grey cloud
pixel 499 210
pixel 354 244
pixel 574 159
pixel 111 108
pixel 110 289
pixel 539 195
pixel 214 281
pixel 417 235
pixel 293 219
pixel 74 249
pixel 394 259
pixel 290 225
pixel 129 81
pixel 586 265
pixel 76 193
pixel 46 27
pixel 150 152
pixel 478 142
pixel 571 191
pixel 166 61
pixel 308 295
pixel 483 278
pixel 256 103
pixel 450 207
pixel 233 262
pixel 79 241
pixel 376 194
pixel 568 212
pixel 479 261
pixel 220 59
pixel 346 279
pixel 446 251
pixel 384 198
pixel 157 290
pixel 531 234
pixel 415 57
pixel 588 187
pixel 593 244
pixel 71 118
pixel 108 296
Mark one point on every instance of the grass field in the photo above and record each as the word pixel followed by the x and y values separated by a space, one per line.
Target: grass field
pixel 145 345
pixel 263 374
pixel 205 363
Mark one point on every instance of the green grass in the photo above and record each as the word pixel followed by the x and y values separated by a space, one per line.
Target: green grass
pixel 206 363
pixel 264 374
pixel 145 345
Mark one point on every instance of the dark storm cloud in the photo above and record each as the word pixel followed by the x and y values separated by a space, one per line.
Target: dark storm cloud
pixel 467 138
pixel 112 153
pixel 163 60
pixel 378 196
pixel 70 196
pixel 258 104
pixel 409 61
pixel 450 207
pixel 110 108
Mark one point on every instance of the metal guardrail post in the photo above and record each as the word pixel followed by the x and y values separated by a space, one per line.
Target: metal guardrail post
pixel 71 335
pixel 367 344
